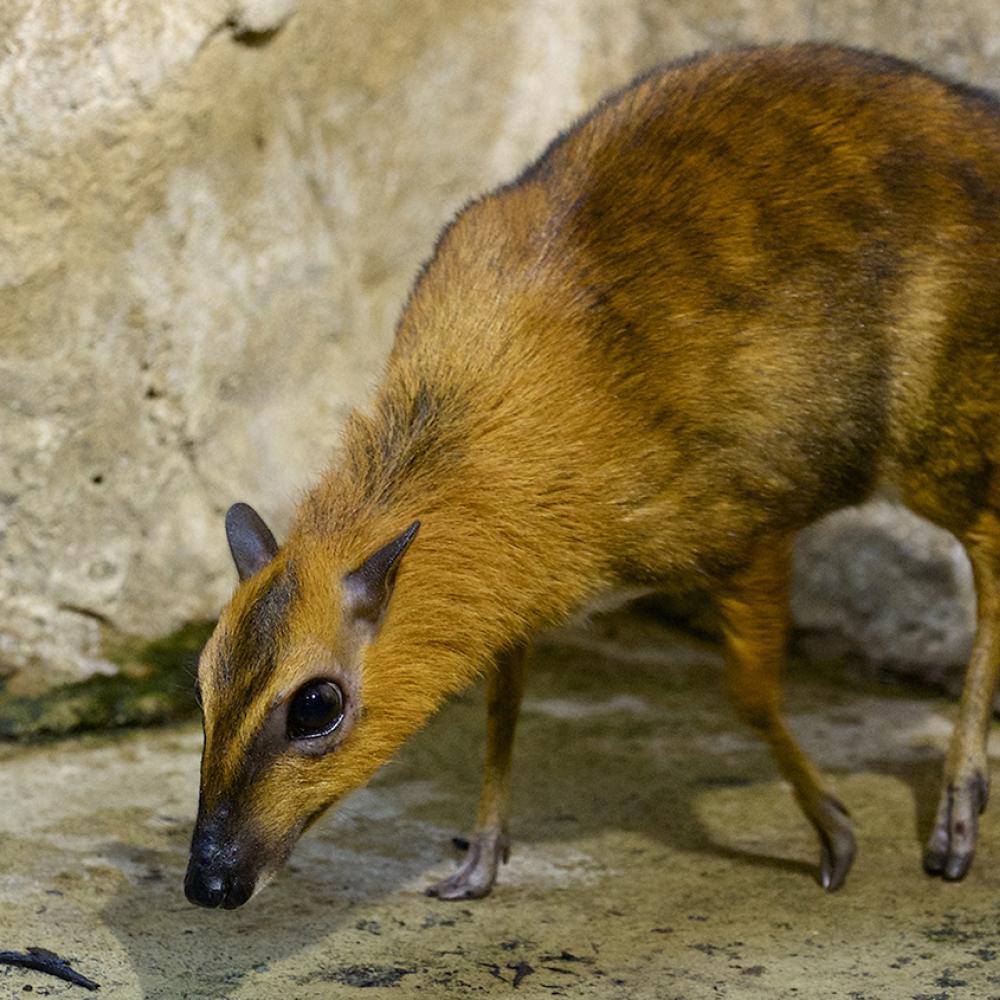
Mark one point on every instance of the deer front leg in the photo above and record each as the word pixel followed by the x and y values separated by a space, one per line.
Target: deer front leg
pixel 490 843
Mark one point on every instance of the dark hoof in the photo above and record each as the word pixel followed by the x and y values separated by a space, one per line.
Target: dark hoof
pixel 837 845
pixel 477 873
pixel 950 867
pixel 952 844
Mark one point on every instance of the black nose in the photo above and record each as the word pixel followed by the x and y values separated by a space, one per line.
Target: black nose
pixel 220 871
pixel 203 887
pixel 216 877
pixel 212 887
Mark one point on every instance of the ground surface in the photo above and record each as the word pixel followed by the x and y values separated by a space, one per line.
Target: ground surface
pixel 656 855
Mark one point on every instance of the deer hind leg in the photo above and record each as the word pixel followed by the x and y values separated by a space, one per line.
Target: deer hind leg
pixel 490 841
pixel 754 607
pixel 966 773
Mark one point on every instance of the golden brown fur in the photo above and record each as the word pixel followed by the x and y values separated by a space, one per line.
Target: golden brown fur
pixel 743 292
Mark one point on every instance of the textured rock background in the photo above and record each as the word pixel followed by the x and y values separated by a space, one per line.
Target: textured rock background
pixel 211 215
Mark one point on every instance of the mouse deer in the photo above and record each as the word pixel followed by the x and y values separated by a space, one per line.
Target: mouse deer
pixel 749 289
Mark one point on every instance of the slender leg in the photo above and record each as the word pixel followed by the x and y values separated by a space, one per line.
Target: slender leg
pixel 966 772
pixel 754 606
pixel 490 843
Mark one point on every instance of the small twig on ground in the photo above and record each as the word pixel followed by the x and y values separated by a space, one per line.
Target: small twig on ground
pixel 43 960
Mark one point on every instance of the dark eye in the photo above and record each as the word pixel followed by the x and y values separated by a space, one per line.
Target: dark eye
pixel 316 710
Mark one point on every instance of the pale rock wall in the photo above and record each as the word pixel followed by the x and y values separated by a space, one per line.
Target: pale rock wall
pixel 211 213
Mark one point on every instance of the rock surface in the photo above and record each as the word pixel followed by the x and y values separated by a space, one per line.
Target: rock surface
pixel 655 856
pixel 212 213
pixel 889 586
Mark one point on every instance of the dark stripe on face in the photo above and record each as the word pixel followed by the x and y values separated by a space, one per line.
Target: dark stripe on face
pixel 250 651
pixel 257 632
pixel 266 745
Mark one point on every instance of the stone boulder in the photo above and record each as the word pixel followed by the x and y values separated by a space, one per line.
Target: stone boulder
pixel 879 582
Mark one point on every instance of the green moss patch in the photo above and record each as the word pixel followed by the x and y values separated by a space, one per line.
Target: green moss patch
pixel 154 684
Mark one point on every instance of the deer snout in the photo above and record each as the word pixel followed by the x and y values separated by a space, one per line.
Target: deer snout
pixel 217 875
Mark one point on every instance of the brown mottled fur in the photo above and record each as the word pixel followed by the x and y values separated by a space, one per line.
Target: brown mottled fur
pixel 741 293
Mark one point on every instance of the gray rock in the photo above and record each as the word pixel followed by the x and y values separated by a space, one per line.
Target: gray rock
pixel 889 585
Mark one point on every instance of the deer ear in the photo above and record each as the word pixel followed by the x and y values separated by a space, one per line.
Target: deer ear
pixel 250 539
pixel 368 588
